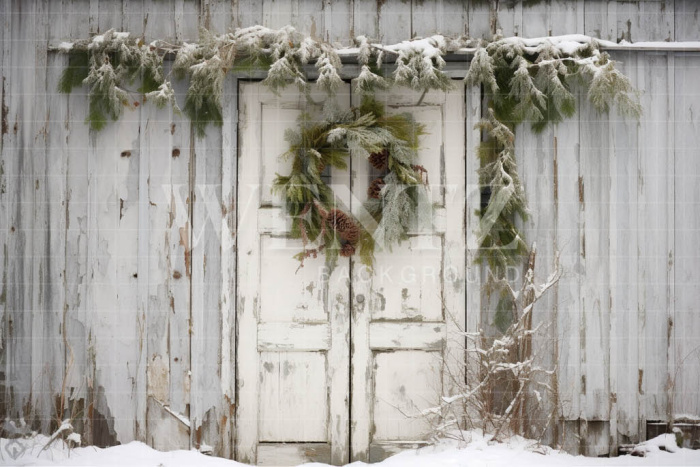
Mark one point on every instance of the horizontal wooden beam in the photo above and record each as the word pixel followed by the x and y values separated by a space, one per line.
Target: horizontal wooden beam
pixel 293 337
pixel 388 335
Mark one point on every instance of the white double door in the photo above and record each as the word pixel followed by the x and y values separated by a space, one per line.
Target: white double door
pixel 336 367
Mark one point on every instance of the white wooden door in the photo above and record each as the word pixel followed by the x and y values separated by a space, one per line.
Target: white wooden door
pixel 323 359
pixel 406 316
pixel 293 324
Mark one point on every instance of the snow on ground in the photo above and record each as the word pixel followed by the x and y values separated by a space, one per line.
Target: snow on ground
pixel 480 452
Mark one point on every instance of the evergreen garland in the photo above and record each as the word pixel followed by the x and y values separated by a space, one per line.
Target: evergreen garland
pixel 107 64
pixel 525 80
pixel 390 143
pixel 531 81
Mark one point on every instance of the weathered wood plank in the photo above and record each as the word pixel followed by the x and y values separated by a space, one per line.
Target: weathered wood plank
pixel 366 19
pixel 624 338
pixel 600 20
pixel 565 17
pixel 113 260
pixel 126 346
pixel 481 21
pixel 179 223
pixel 686 324
pixel 217 16
pixel 276 13
pixel 568 291
pixel 55 233
pixel 446 17
pixel 645 20
pixel 473 199
pixel 186 21
pixel 168 430
pixel 157 157
pixel 134 20
pixel 393 21
pixel 670 269
pixel 686 14
pixel 250 13
pixel 75 318
pixel 109 15
pixel 510 16
pixel 44 322
pixel 595 291
pixel 338 22
pixel 536 158
pixel 308 17
pixel 158 20
pixel 247 299
pixel 205 241
pixel 229 280
pixel 19 196
pixel 653 240
pixel 454 268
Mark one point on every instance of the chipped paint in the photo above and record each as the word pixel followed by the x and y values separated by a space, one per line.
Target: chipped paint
pixel 158 376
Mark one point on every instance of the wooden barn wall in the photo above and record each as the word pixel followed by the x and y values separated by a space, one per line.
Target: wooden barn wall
pixel 117 248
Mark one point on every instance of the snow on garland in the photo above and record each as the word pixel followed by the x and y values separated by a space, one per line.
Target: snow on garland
pixel 526 81
pixel 531 81
pixel 390 144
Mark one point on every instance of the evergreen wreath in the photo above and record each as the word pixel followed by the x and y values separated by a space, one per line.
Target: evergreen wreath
pixel 390 144
pixel 525 81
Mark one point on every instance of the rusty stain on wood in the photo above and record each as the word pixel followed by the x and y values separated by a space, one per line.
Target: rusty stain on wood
pixel 126 154
pixel 5 110
pixel 580 191
pixel 555 172
pixel 184 242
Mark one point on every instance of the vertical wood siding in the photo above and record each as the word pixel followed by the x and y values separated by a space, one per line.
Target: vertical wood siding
pixel 117 249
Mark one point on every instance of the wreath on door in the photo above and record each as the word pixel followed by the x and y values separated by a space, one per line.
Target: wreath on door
pixel 395 199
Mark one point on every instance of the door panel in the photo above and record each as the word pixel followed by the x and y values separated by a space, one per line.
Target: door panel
pixel 396 396
pixel 303 300
pixel 293 397
pixel 293 338
pixel 409 283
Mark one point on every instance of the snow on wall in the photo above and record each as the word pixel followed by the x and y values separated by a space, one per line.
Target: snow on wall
pixel 115 289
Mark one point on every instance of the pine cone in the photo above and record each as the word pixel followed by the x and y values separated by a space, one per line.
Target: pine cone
pixel 347 250
pixel 380 160
pixel 344 225
pixel 375 188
